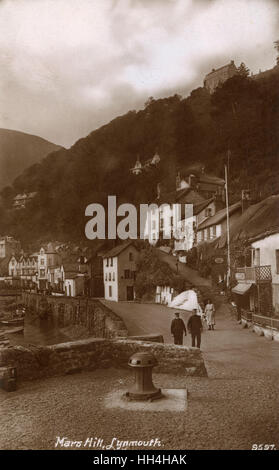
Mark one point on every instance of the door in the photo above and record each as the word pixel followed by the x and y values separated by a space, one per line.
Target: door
pixel 130 293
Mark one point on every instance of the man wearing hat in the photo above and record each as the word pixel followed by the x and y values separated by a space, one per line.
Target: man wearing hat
pixel 194 326
pixel 177 329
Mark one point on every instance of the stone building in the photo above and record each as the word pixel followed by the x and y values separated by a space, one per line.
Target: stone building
pixel 219 76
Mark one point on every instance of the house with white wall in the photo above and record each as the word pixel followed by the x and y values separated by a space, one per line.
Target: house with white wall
pixel 265 253
pixel 165 214
pixel 74 284
pixel 187 227
pixel 257 288
pixel 216 225
pixel 47 257
pixel 119 271
pixel 23 268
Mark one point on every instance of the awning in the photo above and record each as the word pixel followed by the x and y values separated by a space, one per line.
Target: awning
pixel 241 288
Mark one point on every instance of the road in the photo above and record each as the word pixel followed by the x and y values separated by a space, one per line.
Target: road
pixel 228 344
pixel 189 274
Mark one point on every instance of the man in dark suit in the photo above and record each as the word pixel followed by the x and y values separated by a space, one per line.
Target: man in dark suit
pixel 194 326
pixel 177 329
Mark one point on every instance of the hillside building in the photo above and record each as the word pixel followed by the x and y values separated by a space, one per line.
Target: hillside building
pixel 187 227
pixel 216 225
pixel 198 194
pixel 9 246
pixel 219 76
pixel 21 200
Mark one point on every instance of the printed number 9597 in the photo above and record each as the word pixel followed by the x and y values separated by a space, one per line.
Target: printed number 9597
pixel 263 447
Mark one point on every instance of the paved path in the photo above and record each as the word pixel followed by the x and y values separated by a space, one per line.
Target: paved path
pixel 228 344
pixel 235 407
pixel 189 274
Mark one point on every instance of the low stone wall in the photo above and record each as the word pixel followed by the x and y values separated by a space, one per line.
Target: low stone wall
pixel 99 320
pixel 93 353
pixel 154 338
pixel 267 332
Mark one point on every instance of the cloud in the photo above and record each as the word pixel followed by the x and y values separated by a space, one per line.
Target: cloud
pixel 70 66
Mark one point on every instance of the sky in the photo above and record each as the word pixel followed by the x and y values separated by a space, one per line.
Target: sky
pixel 70 66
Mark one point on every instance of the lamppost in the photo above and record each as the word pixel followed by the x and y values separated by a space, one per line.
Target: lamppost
pixel 228 222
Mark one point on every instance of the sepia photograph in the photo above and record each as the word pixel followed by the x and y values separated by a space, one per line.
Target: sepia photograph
pixel 139 229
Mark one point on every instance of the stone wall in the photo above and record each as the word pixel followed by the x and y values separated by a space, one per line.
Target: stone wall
pixel 94 353
pixel 98 320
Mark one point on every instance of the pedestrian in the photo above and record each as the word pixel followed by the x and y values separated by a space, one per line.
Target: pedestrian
pixel 238 309
pixel 194 326
pixel 177 329
pixel 210 314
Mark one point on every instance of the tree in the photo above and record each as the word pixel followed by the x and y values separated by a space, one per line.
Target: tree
pixel 243 70
pixel 276 46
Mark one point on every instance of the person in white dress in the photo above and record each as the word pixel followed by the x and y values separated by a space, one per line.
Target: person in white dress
pixel 209 312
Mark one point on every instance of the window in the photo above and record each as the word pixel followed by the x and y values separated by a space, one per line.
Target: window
pixel 277 261
pixel 111 261
pixel 42 261
pixel 256 256
pixel 107 262
pixel 218 230
pixel 131 257
pixel 127 274
pixel 113 276
pixel 110 291
pixel 109 276
pixel 208 212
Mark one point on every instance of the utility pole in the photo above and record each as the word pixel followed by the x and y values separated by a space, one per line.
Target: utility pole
pixel 228 223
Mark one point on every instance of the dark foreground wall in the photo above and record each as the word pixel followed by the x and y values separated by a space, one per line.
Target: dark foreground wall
pixel 90 354
pixel 99 320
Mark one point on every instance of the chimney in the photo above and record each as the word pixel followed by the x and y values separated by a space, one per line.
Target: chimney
pixel 158 190
pixel 178 181
pixel 219 203
pixel 245 199
pixel 192 181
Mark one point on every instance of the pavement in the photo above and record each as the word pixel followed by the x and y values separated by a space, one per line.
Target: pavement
pixel 228 344
pixel 235 407
pixel 188 273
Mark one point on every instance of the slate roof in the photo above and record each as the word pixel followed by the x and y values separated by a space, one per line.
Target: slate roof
pixel 118 249
pixel 219 216
pixel 258 221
